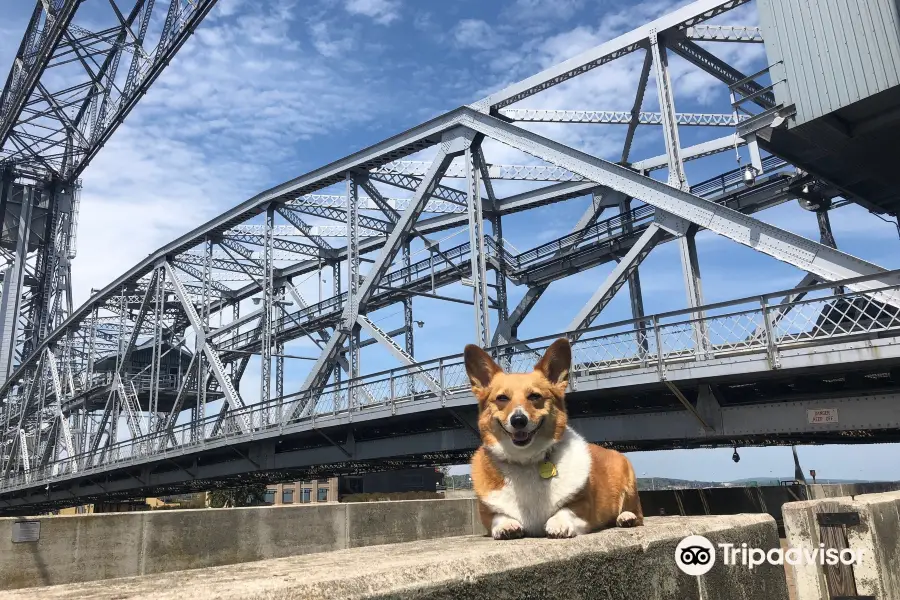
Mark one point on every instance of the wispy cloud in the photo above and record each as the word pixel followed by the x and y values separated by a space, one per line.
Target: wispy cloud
pixel 475 33
pixel 383 12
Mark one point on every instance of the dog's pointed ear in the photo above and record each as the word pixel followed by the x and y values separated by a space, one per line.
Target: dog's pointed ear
pixel 556 362
pixel 480 367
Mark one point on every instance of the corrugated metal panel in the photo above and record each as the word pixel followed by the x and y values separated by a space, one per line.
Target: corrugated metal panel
pixel 834 52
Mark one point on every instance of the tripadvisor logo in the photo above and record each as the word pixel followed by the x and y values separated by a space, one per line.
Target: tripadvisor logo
pixel 696 555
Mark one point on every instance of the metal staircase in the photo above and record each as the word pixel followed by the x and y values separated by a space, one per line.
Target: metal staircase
pixel 400 353
pixel 128 396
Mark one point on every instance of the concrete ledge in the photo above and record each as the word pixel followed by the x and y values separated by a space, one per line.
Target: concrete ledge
pixel 82 548
pixel 617 564
pixel 877 535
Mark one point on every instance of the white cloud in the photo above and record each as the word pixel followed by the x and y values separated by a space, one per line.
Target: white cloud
pixel 383 12
pixel 328 43
pixel 475 33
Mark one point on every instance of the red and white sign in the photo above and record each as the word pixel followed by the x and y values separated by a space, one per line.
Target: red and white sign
pixel 822 416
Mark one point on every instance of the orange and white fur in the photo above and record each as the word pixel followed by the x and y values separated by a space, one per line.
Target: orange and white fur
pixel 524 426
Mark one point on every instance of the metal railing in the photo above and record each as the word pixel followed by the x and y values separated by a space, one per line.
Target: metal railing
pixel 757 325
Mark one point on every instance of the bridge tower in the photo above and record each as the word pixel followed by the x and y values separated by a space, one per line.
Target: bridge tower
pixel 56 113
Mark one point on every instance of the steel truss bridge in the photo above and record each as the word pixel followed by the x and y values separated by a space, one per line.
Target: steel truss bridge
pixel 137 391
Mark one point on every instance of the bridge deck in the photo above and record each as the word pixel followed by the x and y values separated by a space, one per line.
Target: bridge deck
pixel 426 412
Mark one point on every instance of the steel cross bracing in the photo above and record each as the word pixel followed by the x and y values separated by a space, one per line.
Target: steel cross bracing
pixel 70 87
pixel 152 364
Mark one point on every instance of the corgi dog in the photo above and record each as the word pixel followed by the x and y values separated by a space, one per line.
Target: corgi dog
pixel 533 475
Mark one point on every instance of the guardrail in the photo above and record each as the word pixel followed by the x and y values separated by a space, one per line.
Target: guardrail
pixel 757 325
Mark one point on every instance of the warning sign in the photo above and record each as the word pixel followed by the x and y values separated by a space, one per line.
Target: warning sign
pixel 822 416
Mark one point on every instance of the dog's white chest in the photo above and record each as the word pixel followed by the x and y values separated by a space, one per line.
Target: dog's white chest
pixel 531 499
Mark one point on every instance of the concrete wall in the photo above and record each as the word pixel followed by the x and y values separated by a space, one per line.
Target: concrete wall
pixel 739 500
pixel 618 564
pixel 103 546
pixel 877 534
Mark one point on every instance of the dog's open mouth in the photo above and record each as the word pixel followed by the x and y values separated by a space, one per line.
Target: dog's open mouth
pixel 522 438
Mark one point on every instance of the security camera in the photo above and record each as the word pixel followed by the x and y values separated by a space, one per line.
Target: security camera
pixel 736 457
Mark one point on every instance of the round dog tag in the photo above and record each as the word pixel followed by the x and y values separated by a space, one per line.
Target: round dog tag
pixel 547 469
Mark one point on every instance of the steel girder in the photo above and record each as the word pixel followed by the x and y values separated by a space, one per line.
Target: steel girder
pixel 618 117
pixel 724 33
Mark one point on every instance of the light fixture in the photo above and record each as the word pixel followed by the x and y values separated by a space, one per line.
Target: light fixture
pixel 749 175
pixel 421 324
pixel 256 301
pixel 806 189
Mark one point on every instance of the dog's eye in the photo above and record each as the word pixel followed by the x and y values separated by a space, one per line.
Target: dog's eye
pixel 534 397
pixel 501 399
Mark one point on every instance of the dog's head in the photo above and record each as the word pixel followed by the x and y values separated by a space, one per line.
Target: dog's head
pixel 521 415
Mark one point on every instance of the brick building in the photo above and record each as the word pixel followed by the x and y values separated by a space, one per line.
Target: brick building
pixel 303 492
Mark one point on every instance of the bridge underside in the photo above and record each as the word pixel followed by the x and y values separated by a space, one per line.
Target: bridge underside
pixel 855 148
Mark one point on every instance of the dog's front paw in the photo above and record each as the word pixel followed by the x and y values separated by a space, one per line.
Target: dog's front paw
pixel 565 524
pixel 627 519
pixel 506 528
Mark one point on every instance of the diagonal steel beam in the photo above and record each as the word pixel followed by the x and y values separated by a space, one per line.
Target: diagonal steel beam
pixel 638 103
pixel 57 409
pixel 319 373
pixel 278 244
pixel 805 254
pixel 215 363
pixel 166 430
pixel 340 214
pixel 295 220
pixel 138 322
pixel 614 282
pixel 627 43
pixel 722 71
pixel 412 182
pixel 508 331
pixel 385 340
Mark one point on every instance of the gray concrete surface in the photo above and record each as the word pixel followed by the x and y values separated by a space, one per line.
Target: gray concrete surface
pixel 877 535
pixel 81 548
pixel 617 564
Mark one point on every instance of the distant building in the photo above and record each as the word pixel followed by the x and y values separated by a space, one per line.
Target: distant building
pixel 303 492
pixel 335 488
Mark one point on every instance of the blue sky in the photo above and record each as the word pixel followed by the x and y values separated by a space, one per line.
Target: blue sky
pixel 265 91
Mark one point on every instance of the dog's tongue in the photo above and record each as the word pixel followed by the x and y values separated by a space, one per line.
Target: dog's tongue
pixel 520 436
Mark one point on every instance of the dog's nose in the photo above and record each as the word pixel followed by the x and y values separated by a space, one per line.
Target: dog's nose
pixel 518 421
